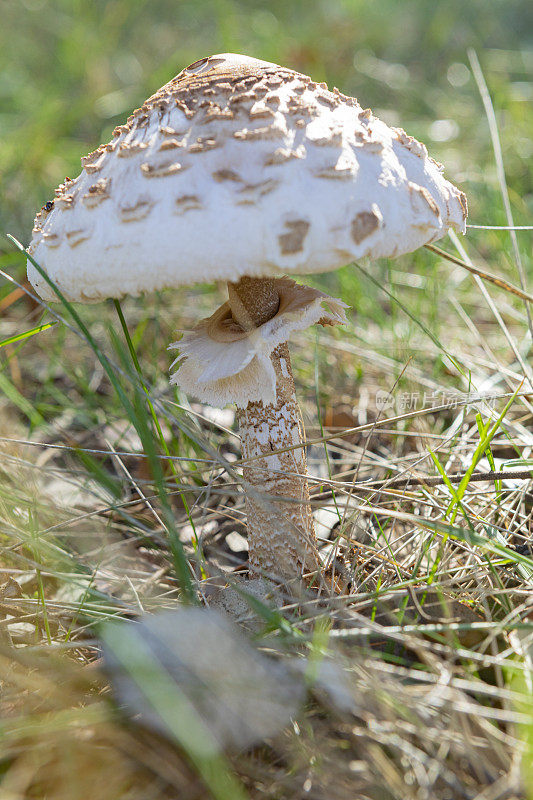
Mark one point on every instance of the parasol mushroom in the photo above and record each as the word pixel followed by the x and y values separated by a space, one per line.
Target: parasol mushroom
pixel 240 170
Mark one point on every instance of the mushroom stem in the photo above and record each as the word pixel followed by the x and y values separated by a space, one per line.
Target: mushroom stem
pixel 281 535
pixel 253 301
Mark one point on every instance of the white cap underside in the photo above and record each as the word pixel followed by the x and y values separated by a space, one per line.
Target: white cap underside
pixel 268 179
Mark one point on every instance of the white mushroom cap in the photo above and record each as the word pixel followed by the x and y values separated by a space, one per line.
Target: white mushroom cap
pixel 239 167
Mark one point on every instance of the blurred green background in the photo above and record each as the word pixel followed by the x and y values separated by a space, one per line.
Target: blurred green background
pixel 72 69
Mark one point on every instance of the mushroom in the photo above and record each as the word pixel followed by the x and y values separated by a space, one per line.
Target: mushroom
pixel 240 170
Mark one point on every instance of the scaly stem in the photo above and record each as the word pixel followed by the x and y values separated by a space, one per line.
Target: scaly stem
pixel 281 536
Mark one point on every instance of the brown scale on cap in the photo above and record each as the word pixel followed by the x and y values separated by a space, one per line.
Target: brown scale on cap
pixel 217 113
pixel 242 98
pixel 203 143
pixel 261 112
pixel 126 149
pixel 226 175
pixel 273 100
pixel 161 170
pixel 98 192
pixel 332 139
pixel 282 155
pixel 297 106
pixel 51 239
pixel 363 225
pixel 120 129
pixel 135 211
pixel 251 134
pixel 66 200
pixel 188 202
pixel 171 144
pixel 239 83
pixel 292 241
pixel 91 159
pixel 335 172
pixel 76 237
pixel 328 99
pixel 261 89
pixel 166 130
pixel 252 192
pixel 420 193
pixel 464 203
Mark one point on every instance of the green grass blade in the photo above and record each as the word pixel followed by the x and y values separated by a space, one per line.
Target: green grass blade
pixel 32 332
pixel 488 436
pixel 21 402
pixel 180 561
